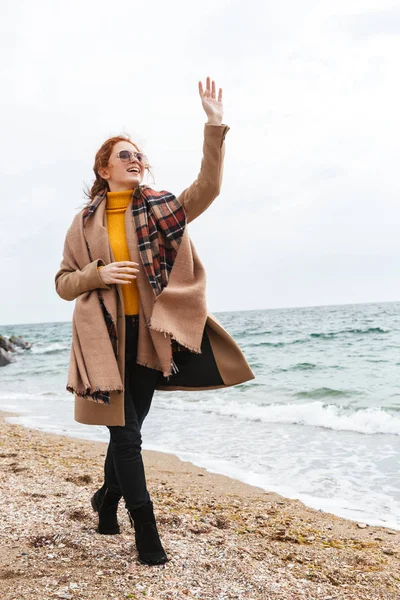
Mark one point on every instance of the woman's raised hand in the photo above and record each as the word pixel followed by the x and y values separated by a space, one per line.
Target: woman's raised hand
pixel 119 272
pixel 211 104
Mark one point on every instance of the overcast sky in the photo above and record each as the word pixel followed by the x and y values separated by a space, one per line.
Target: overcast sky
pixel 309 211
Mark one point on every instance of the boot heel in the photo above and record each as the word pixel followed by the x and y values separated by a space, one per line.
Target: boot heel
pixel 147 539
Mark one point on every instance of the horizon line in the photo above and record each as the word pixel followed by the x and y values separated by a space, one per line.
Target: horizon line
pixel 235 311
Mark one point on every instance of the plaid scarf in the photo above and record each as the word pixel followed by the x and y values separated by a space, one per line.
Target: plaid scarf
pixel 160 222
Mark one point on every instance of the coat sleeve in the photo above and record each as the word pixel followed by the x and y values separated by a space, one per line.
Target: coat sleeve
pixel 71 282
pixel 199 195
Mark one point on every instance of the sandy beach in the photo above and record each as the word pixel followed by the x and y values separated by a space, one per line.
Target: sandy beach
pixel 225 539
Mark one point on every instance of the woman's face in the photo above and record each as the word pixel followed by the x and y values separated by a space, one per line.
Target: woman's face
pixel 120 175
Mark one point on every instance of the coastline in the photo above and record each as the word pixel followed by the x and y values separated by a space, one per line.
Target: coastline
pixel 232 471
pixel 225 538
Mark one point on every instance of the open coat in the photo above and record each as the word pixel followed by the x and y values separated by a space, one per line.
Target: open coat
pixel 221 362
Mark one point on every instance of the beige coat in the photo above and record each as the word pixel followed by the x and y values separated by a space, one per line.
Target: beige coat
pixel 221 363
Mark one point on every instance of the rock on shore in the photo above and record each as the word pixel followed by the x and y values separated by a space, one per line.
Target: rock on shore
pixel 10 345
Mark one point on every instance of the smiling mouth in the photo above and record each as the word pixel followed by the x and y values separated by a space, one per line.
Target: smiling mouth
pixel 134 170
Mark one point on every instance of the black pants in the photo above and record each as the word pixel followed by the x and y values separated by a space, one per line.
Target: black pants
pixel 123 469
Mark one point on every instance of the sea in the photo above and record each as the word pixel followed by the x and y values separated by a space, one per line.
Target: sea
pixel 320 422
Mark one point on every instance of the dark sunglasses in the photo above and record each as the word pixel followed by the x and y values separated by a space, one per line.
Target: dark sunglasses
pixel 126 156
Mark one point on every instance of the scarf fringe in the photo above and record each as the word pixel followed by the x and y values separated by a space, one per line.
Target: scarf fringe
pixel 88 395
pixel 149 365
pixel 173 368
pixel 194 349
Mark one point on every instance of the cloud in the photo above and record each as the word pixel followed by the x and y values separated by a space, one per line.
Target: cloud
pixel 311 95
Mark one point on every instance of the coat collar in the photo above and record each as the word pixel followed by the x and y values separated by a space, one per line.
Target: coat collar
pixel 95 225
pixel 95 229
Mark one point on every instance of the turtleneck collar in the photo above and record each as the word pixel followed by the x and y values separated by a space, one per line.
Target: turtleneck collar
pixel 117 200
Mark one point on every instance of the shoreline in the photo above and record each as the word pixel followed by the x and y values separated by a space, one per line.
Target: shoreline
pixel 224 538
pixel 234 474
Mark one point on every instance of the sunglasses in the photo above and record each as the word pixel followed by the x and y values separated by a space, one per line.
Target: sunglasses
pixel 126 156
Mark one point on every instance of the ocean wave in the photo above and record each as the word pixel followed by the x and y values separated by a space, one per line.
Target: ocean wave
pixel 325 392
pixel 331 334
pixel 278 344
pixel 313 414
pixel 256 332
pixel 378 360
pixel 266 344
pixel 55 348
pixel 299 367
pixel 22 397
pixel 308 367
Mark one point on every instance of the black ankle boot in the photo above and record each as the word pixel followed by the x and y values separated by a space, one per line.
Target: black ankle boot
pixel 147 539
pixel 105 503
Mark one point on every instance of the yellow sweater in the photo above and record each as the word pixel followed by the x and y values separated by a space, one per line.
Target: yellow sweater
pixel 117 203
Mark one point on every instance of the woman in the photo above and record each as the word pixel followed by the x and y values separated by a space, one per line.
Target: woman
pixel 132 333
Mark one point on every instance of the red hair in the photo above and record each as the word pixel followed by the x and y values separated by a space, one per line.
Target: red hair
pixel 101 160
